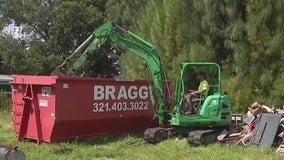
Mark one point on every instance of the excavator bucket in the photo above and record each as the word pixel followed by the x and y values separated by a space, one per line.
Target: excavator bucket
pixel 59 71
pixel 105 63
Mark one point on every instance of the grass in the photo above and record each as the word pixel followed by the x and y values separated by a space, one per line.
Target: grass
pixel 128 147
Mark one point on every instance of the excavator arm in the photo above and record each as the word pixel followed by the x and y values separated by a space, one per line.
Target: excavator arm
pixel 110 33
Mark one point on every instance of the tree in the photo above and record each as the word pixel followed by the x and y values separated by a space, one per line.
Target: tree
pixel 54 29
pixel 127 18
pixel 189 30
pixel 257 62
pixel 245 37
pixel 11 56
pixel 124 12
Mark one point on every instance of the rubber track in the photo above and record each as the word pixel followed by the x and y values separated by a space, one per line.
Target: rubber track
pixel 155 135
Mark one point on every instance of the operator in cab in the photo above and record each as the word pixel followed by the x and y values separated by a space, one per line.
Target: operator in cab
pixel 202 92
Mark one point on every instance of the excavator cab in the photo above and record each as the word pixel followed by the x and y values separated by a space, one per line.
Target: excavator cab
pixel 212 110
pixel 189 76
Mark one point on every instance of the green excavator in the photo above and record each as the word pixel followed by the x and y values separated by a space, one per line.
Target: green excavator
pixel 100 58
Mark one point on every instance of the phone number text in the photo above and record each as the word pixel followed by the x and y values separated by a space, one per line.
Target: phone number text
pixel 120 106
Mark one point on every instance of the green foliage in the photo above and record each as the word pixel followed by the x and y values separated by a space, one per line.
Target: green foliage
pixel 245 37
pixel 11 56
pixel 186 30
pixel 256 69
pixel 128 18
pixel 124 12
pixel 53 29
pixel 73 22
pixel 5 103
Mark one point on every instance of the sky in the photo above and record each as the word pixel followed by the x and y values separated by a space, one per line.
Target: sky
pixel 13 30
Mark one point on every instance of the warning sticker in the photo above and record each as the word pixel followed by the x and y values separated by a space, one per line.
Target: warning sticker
pixel 43 103
pixel 65 85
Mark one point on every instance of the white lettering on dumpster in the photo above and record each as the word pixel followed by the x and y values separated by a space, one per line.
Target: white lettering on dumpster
pixel 109 98
pixel 143 92
pixel 120 106
pixel 99 93
pixel 131 92
pixel 122 93
pixel 108 92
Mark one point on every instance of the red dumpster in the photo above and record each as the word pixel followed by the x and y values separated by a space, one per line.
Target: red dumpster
pixel 53 109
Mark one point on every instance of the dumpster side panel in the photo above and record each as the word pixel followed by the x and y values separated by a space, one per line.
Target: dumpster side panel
pixel 101 107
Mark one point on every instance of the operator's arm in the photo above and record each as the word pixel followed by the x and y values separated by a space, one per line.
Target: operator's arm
pixel 196 92
pixel 202 89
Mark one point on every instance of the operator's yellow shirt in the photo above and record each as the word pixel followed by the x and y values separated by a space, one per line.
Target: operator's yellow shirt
pixel 204 88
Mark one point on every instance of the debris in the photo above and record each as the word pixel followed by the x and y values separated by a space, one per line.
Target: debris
pixel 222 135
pixel 257 109
pixel 266 130
pixel 244 140
pixel 237 119
pixel 262 127
pixel 231 139
pixel 280 149
pixel 282 133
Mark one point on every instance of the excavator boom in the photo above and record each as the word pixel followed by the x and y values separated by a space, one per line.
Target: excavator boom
pixel 112 34
pixel 213 112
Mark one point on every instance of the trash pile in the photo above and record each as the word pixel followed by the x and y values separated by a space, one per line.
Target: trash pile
pixel 262 127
